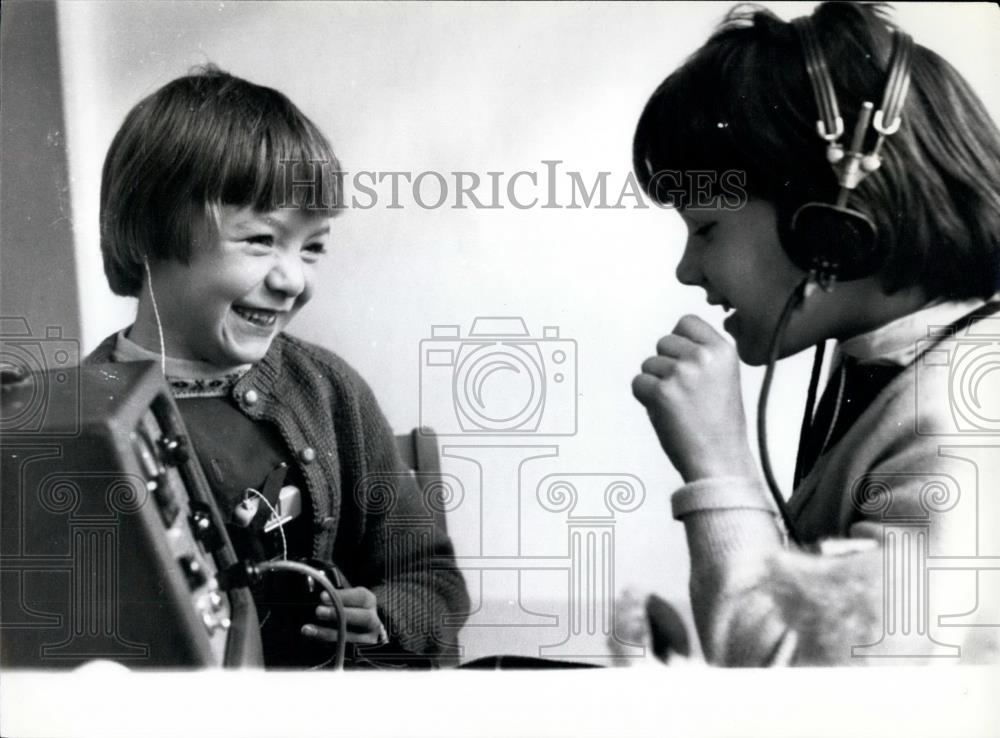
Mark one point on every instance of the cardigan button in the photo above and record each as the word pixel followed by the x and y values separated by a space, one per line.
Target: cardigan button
pixel 328 523
pixel 307 455
pixel 251 397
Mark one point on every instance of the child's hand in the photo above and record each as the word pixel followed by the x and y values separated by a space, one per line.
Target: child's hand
pixel 363 624
pixel 691 390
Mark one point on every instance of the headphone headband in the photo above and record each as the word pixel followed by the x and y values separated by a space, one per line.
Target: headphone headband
pixel 832 240
pixel 830 125
pixel 887 117
pixel 854 167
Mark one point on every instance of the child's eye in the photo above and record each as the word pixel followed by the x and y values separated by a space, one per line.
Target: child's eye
pixel 315 248
pixel 265 239
pixel 705 230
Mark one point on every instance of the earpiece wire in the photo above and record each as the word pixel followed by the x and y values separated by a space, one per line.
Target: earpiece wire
pixel 156 314
pixel 281 525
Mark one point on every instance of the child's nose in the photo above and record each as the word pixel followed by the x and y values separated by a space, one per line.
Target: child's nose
pixel 287 275
pixel 688 271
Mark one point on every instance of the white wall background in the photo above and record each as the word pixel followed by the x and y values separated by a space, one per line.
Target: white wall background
pixel 477 87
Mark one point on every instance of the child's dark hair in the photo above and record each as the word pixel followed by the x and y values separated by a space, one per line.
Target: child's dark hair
pixel 199 142
pixel 744 102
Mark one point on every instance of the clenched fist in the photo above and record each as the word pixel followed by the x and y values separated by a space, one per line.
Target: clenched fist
pixel 691 390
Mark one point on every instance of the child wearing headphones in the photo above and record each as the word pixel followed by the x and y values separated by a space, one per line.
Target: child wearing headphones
pixel 872 217
pixel 216 203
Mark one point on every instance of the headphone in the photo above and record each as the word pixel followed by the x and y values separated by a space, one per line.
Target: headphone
pixel 832 241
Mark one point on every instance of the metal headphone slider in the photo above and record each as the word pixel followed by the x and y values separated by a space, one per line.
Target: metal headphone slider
pixel 834 151
pixel 851 171
pixel 885 130
pixel 873 160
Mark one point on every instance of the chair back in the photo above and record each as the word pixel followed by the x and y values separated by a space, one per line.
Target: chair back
pixel 419 452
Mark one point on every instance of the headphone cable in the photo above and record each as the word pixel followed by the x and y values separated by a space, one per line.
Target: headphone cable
pixel 810 408
pixel 338 604
pixel 794 300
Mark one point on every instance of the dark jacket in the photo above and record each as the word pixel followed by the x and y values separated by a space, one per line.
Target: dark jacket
pixel 369 517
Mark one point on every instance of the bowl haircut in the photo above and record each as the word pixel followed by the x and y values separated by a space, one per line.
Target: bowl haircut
pixel 743 102
pixel 202 141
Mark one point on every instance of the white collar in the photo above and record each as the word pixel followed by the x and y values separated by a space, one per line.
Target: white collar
pixel 896 342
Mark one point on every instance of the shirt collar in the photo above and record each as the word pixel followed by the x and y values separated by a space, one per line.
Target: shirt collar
pixel 187 377
pixel 896 342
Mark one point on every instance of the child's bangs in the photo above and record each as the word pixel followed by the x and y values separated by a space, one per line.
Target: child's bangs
pixel 283 163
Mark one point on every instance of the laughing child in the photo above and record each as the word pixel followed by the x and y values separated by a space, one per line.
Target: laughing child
pixel 216 203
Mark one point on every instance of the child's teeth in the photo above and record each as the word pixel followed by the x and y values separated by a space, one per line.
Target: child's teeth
pixel 257 317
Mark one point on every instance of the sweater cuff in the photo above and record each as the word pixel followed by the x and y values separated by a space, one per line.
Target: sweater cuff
pixel 720 493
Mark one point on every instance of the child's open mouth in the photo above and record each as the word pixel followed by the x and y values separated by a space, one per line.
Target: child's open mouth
pixel 262 318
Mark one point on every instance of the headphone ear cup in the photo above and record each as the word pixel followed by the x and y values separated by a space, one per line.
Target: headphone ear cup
pixel 835 240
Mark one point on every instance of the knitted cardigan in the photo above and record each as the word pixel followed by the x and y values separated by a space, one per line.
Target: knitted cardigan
pixel 906 507
pixel 368 515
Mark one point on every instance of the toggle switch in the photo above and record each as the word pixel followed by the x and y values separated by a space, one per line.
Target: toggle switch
pixel 193 571
pixel 173 450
